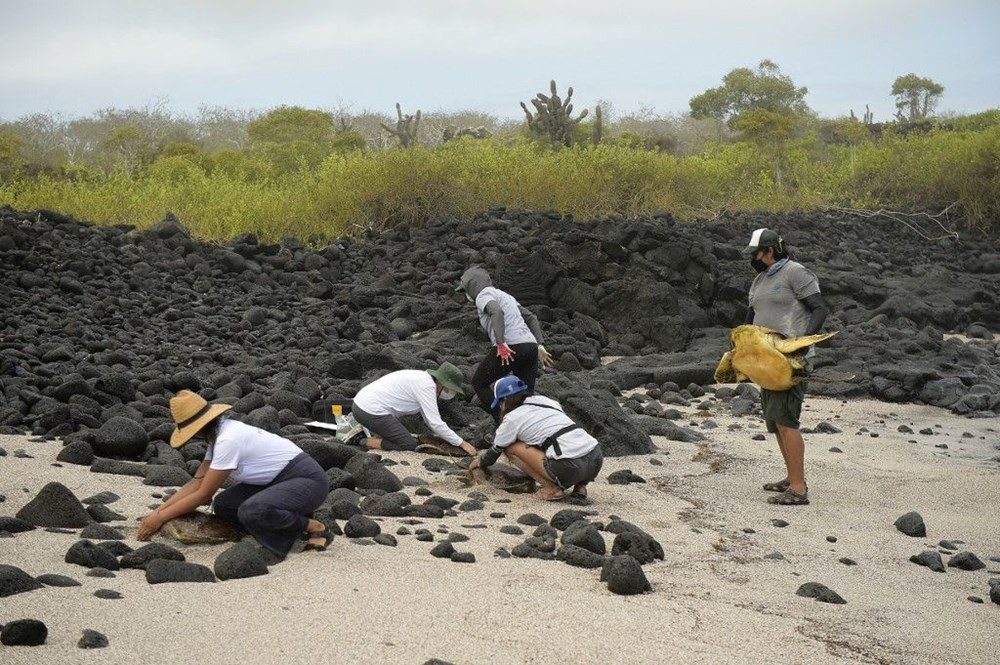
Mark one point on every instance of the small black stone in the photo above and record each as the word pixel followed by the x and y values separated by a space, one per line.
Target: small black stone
pixel 820 592
pixel 847 562
pixel 92 639
pixel 781 524
pixel 966 561
pixel 385 539
pixel 831 539
pixel 108 594
pixel 443 550
pixel 463 557
pixel 24 632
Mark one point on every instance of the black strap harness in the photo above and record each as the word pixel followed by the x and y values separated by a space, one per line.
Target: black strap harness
pixel 553 440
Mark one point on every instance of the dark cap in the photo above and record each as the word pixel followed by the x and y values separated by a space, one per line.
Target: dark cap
pixel 762 238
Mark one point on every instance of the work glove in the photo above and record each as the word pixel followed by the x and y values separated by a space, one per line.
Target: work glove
pixel 505 354
pixel 544 357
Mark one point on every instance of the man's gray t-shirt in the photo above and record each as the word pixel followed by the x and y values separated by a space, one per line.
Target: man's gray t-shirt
pixel 776 298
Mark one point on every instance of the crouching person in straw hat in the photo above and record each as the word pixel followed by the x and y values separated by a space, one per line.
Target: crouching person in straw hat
pixel 278 486
pixel 379 405
pixel 544 442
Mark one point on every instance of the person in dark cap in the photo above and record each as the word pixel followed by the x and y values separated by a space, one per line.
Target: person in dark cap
pixel 379 405
pixel 514 334
pixel 785 297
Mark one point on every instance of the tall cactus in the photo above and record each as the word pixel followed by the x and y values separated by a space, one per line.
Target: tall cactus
pixel 598 126
pixel 552 118
pixel 406 127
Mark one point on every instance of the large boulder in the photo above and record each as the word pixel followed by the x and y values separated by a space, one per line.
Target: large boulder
pixel 55 505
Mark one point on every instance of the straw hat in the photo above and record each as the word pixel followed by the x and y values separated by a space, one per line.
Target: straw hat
pixel 191 412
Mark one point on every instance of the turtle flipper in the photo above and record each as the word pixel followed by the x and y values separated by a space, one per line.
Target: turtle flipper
pixel 793 344
pixel 724 372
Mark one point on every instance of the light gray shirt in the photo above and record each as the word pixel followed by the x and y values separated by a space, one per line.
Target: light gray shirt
pixel 516 331
pixel 776 298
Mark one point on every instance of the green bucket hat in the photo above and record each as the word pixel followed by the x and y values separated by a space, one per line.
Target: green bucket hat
pixel 762 238
pixel 450 377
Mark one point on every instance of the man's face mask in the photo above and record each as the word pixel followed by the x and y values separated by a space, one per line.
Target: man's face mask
pixel 758 265
pixel 446 394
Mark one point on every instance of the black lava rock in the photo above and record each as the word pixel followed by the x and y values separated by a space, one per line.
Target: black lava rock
pixel 15 525
pixel 581 534
pixel 562 519
pixel 369 473
pixel 239 561
pixel 359 526
pixel 443 550
pixel 580 557
pixel 55 505
pixel 52 579
pixel 13 580
pixel 624 576
pixel 24 632
pixel 821 593
pixel 101 532
pixel 142 557
pixel 101 513
pixel 929 558
pixel 462 557
pixel 966 561
pixel 120 437
pixel 912 524
pixel 640 546
pixel 87 554
pixel 624 477
pixel 92 639
pixel 162 571
pixel 385 539
pixel 108 594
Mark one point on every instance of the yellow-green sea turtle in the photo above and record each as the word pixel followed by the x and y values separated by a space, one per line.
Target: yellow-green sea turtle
pixel 431 445
pixel 761 355
pixel 198 527
pixel 502 477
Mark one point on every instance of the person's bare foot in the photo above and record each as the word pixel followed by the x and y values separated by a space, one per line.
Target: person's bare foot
pixel 374 443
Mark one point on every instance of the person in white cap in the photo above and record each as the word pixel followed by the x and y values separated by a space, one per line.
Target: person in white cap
pixel 278 486
pixel 785 297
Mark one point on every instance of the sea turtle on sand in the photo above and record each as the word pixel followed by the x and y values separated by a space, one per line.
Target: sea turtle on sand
pixel 198 527
pixel 500 476
pixel 431 445
pixel 761 355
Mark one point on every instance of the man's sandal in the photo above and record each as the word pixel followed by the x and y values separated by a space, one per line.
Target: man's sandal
pixel 779 486
pixel 790 498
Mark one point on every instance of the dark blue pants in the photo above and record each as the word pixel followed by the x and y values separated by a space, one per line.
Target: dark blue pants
pixel 275 514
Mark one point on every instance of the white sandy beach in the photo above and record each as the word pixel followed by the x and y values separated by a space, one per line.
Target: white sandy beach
pixel 715 599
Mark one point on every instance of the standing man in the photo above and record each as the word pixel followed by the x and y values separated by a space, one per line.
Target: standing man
pixel 784 297
pixel 513 331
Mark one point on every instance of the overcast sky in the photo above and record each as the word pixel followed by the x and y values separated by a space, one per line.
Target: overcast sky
pixel 76 56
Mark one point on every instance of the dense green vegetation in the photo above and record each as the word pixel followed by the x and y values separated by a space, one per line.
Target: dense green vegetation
pixel 749 144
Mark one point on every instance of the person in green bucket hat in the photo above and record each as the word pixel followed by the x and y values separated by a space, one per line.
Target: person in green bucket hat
pixel 379 405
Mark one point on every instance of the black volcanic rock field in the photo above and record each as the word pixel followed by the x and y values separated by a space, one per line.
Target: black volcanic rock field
pixel 99 325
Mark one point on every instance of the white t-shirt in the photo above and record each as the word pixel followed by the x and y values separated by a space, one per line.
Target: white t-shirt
pixel 404 393
pixel 253 455
pixel 534 424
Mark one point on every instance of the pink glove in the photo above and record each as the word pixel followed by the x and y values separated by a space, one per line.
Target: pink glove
pixel 505 354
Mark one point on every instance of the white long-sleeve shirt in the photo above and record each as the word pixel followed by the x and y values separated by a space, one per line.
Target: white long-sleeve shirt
pixel 404 393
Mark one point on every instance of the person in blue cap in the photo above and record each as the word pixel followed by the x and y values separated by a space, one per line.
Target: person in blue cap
pixel 785 297
pixel 541 440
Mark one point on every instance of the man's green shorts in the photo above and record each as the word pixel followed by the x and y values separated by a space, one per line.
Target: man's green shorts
pixel 782 406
